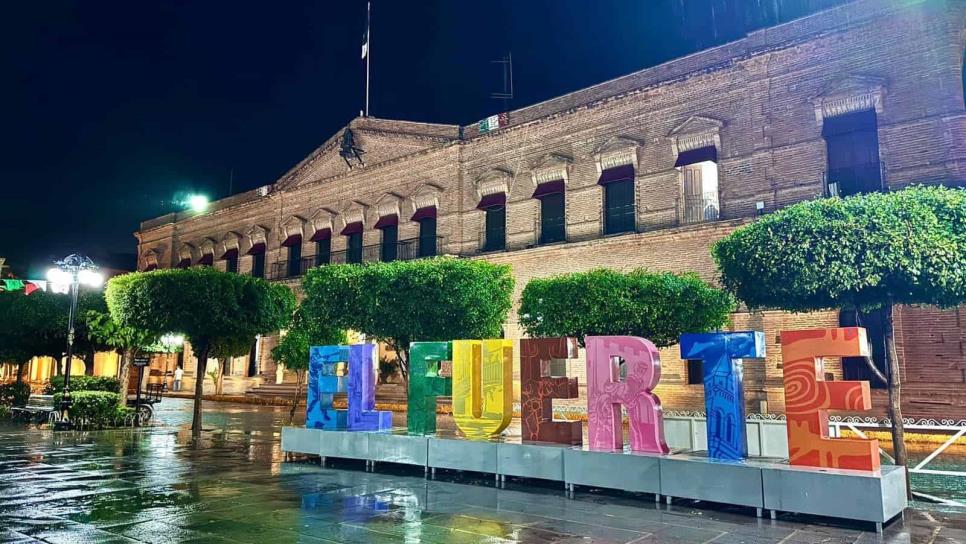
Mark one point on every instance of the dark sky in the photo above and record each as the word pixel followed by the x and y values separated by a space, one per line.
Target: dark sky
pixel 111 108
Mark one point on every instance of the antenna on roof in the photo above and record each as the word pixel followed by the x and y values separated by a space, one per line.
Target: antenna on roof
pixel 507 94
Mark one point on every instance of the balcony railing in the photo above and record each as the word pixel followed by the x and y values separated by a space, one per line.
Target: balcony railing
pixel 406 250
pixel 281 269
pixel 852 180
pixel 700 208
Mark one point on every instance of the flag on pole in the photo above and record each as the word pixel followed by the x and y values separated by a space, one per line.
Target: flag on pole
pixel 365 35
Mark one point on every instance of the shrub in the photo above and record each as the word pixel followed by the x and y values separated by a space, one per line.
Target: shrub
pixel 4 412
pixel 14 394
pixel 83 383
pixel 406 301
pixel 656 306
pixel 95 408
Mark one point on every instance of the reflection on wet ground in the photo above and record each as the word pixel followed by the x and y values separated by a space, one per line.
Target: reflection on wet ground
pixel 152 485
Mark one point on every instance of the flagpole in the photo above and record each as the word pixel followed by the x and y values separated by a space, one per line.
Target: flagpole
pixel 368 51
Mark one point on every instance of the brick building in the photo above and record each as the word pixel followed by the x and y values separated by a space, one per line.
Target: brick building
pixel 646 170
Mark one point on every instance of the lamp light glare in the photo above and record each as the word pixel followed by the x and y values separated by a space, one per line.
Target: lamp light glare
pixel 172 339
pixel 90 278
pixel 198 203
pixel 58 277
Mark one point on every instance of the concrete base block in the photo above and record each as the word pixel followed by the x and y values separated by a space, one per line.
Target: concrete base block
pixel 457 454
pixel 543 461
pixel 635 472
pixel 698 477
pixel 344 444
pixel 300 440
pixel 760 483
pixel 399 448
pixel 852 494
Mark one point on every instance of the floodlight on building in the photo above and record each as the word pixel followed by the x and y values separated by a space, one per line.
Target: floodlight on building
pixel 198 203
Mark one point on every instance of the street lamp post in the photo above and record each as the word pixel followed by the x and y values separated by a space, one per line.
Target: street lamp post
pixel 71 272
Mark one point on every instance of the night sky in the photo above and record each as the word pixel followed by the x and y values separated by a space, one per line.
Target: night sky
pixel 112 109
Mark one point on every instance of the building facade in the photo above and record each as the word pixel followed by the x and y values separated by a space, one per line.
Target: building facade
pixel 646 170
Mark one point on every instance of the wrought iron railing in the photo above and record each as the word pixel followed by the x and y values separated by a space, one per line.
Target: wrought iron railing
pixel 851 180
pixel 282 270
pixel 406 250
pixel 700 208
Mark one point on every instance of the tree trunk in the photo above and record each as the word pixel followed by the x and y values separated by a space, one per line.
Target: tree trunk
pixel 124 376
pixel 869 363
pixel 20 367
pixel 199 389
pixel 402 360
pixel 298 394
pixel 895 400
pixel 89 363
pixel 220 377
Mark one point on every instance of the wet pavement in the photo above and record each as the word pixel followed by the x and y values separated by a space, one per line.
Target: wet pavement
pixel 153 485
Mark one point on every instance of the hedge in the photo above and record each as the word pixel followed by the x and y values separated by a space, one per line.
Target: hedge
pixel 83 383
pixel 14 394
pixel 659 306
pixel 95 408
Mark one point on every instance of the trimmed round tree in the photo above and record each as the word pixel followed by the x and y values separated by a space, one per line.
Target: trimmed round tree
pixel 293 349
pixel 214 310
pixel 128 342
pixel 859 253
pixel 407 301
pixel 657 306
pixel 31 325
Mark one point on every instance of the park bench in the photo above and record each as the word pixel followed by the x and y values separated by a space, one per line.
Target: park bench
pixel 37 410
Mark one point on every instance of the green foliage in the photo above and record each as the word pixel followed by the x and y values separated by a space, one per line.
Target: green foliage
pixel 218 312
pixel 656 306
pixel 30 325
pixel 4 411
pixel 14 394
pixel 405 301
pixel 83 383
pixel 223 348
pixel 95 408
pixel 206 305
pixel 108 332
pixel 36 324
pixel 86 340
pixel 905 247
pixel 293 348
pixel 387 368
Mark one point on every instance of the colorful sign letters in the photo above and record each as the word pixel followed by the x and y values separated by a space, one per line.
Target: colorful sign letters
pixel 609 388
pixel 622 373
pixel 328 365
pixel 808 397
pixel 538 389
pixel 426 384
pixel 327 371
pixel 724 397
pixel 482 387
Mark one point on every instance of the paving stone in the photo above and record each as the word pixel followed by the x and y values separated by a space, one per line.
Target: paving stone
pixel 154 485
